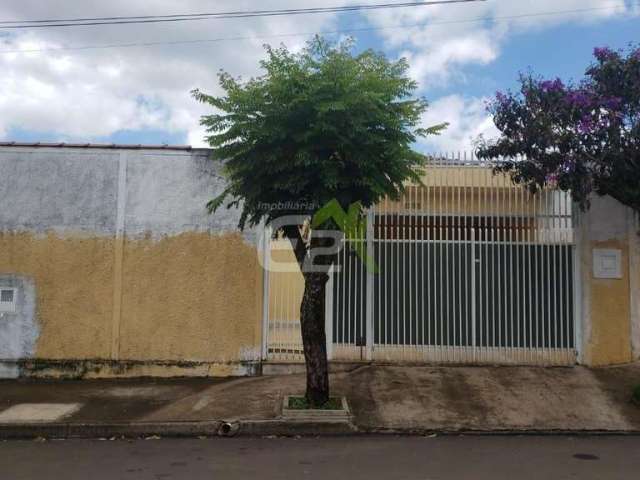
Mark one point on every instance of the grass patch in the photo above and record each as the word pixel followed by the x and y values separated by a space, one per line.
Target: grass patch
pixel 635 396
pixel 300 403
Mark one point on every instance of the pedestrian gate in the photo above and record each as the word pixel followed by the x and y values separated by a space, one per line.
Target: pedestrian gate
pixel 470 269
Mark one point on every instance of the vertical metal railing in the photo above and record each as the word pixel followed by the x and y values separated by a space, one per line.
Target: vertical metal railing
pixel 471 269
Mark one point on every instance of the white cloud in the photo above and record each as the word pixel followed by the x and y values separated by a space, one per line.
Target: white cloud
pixel 467 118
pixel 83 94
pixel 443 38
pixel 438 63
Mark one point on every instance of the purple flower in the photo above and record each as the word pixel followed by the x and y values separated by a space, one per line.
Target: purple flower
pixel 636 54
pixel 551 178
pixel 612 103
pixel 586 125
pixel 568 166
pixel 579 98
pixel 552 85
pixel 603 53
pixel 501 97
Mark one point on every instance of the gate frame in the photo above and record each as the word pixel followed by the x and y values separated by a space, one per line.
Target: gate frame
pixel 577 272
pixel 578 320
pixel 265 233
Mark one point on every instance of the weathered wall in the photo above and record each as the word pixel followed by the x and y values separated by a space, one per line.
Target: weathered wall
pixel 127 273
pixel 128 266
pixel 634 282
pixel 73 277
pixel 607 304
pixel 206 307
pixel 19 329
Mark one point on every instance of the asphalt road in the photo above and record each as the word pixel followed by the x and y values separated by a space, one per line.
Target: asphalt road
pixel 352 458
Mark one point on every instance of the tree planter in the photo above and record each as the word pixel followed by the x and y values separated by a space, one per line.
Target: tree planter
pixel 316 415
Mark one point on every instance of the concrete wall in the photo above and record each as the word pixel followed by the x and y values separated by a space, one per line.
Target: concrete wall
pixel 634 283
pixel 131 275
pixel 122 272
pixel 609 306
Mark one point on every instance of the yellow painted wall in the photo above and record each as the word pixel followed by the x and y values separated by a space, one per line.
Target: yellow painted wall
pixel 286 284
pixel 610 340
pixel 472 191
pixel 193 296
pixel 74 288
pixel 467 201
pixel 464 176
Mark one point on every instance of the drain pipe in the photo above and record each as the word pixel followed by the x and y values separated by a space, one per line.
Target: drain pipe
pixel 228 429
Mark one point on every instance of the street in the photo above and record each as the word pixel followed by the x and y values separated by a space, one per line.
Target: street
pixel 360 457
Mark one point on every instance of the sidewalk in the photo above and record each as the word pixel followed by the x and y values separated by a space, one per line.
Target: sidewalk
pixel 405 399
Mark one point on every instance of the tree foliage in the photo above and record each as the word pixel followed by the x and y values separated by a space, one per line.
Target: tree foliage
pixel 322 125
pixel 318 125
pixel 583 137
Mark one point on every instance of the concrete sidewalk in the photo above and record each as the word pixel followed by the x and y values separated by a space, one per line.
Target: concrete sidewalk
pixel 408 399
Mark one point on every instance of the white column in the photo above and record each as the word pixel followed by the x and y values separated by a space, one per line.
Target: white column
pixel 369 288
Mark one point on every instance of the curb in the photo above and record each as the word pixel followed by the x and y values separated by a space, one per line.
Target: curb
pixel 276 427
pixel 497 433
pixel 98 430
pixel 297 428
pixel 257 428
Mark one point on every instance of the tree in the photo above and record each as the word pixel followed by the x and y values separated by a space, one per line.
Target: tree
pixel 582 137
pixel 320 125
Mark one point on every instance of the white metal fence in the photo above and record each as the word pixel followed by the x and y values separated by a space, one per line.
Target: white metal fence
pixel 470 269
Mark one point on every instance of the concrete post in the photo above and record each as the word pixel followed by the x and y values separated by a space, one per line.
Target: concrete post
pixel 634 281
pixel 607 261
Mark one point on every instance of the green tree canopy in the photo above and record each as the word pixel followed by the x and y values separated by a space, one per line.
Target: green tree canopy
pixel 320 125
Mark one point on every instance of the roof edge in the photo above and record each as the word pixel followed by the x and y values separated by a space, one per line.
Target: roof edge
pixel 112 146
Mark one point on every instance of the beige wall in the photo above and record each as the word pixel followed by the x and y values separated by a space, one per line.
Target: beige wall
pixel 74 282
pixel 610 314
pixel 136 272
pixel 607 306
pixel 476 191
pixel 286 284
pixel 128 273
pixel 634 282
pixel 192 297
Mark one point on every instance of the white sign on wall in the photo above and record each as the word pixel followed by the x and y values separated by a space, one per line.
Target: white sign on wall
pixel 607 263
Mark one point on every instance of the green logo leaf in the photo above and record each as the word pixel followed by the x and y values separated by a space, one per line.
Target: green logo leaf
pixel 352 223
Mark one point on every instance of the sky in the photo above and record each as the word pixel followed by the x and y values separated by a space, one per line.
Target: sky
pixel 98 84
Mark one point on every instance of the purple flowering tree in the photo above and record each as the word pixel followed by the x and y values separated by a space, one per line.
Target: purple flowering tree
pixel 583 137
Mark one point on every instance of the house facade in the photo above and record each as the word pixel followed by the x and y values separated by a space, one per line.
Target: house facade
pixel 111 266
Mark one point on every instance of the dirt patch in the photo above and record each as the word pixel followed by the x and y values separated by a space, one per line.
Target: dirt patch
pixel 618 384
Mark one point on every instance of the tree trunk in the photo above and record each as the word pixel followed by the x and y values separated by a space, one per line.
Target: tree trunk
pixel 314 337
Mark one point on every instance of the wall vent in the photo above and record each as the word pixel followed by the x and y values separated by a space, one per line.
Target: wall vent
pixel 8 298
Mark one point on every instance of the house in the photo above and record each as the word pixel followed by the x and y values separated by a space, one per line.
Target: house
pixel 474 269
pixel 111 266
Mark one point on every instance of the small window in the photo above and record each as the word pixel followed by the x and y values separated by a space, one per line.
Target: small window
pixel 7 300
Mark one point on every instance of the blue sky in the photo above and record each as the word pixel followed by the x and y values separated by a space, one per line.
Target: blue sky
pixel 140 95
